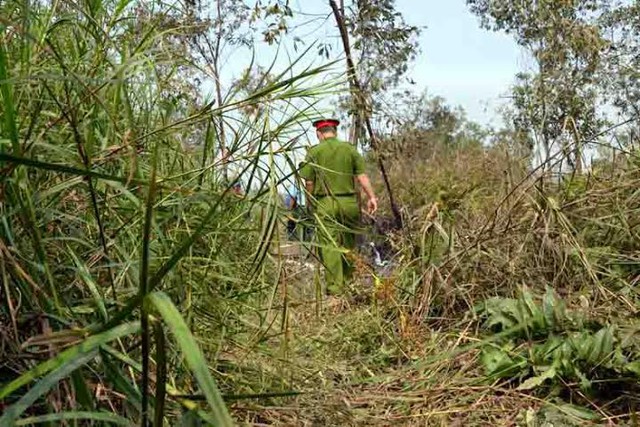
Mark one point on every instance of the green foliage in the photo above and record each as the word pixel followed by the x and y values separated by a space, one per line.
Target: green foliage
pixel 562 414
pixel 619 74
pixel 433 146
pixel 115 209
pixel 542 344
pixel 383 46
pixel 523 315
pixel 585 52
pixel 105 417
pixel 384 43
pixel 136 285
pixel 559 100
pixel 193 356
pixel 498 363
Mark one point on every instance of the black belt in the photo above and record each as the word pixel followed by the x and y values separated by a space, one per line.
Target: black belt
pixel 321 196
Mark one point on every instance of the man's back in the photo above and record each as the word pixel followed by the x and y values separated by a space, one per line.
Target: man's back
pixel 330 169
pixel 332 166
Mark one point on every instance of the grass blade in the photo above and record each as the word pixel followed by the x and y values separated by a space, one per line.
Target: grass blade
pixel 7 98
pixel 104 417
pixel 161 375
pixel 193 355
pixel 144 287
pixel 87 346
pixel 84 274
pixel 119 381
pixel 82 391
pixel 67 169
pixel 44 385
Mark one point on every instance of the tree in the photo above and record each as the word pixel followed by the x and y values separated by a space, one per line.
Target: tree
pixel 383 42
pixel 383 45
pixel 360 98
pixel 558 100
pixel 233 25
pixel 425 124
pixel 620 74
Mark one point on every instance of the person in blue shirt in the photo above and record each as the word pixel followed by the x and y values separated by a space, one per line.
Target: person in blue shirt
pixel 292 201
pixel 292 197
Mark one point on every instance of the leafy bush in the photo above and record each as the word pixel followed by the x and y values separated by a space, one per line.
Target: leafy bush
pixel 540 343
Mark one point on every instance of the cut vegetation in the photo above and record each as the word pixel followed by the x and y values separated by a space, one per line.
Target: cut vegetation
pixel 139 287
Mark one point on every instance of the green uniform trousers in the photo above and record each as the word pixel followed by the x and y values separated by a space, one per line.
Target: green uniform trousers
pixel 338 218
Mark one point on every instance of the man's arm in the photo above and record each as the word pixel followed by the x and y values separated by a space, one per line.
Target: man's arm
pixel 363 180
pixel 372 202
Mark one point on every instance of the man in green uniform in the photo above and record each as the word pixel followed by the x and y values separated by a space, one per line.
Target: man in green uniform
pixel 330 171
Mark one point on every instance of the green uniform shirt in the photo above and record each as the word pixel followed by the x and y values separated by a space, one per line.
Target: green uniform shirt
pixel 332 165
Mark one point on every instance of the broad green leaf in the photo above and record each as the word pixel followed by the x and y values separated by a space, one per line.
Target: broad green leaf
pixel 633 367
pixel 498 363
pixel 585 382
pixel 583 344
pixel 501 319
pixel 537 381
pixel 193 355
pixel 501 312
pixel 602 346
pixel 551 308
pixel 578 412
pixel 531 314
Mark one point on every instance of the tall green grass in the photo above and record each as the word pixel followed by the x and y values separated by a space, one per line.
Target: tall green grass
pixel 138 289
pixel 119 236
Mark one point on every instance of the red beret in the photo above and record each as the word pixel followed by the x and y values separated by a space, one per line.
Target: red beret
pixel 319 124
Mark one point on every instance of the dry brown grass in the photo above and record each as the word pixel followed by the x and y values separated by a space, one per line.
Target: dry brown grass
pixel 405 352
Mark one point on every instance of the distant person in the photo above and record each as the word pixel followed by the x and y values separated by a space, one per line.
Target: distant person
pixel 298 215
pixel 330 171
pixel 292 203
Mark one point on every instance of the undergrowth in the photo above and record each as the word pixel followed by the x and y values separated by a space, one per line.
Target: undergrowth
pixel 138 288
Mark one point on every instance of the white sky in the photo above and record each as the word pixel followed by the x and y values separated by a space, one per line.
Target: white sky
pixel 466 65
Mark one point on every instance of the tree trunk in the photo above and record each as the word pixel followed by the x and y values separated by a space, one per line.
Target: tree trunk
pixel 218 83
pixel 361 108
